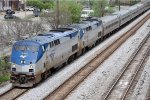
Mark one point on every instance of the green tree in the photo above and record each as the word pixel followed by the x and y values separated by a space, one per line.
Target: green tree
pixel 86 3
pixel 4 70
pixel 69 12
pixel 41 4
pixel 4 65
pixel 48 4
pixel 133 2
pixel 75 10
pixel 99 7
pixel 71 9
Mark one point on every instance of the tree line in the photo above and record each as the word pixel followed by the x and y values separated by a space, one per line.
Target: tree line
pixel 66 12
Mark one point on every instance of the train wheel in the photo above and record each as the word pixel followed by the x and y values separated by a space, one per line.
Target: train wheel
pixel 42 75
pixel 64 64
pixel 79 53
pixel 71 58
pixel 38 79
pixel 97 42
pixel 83 50
pixel 93 45
pixel 45 74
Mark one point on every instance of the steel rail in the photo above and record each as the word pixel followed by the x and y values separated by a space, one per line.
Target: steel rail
pixel 127 66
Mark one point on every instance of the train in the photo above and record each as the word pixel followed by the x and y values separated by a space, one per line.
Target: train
pixel 34 58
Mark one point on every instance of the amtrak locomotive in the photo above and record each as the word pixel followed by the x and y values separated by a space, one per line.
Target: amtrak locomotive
pixel 34 58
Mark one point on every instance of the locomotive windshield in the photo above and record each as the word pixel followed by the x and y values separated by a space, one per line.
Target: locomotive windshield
pixel 25 48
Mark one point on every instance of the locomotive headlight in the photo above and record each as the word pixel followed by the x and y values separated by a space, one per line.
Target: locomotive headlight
pixel 13 65
pixel 31 66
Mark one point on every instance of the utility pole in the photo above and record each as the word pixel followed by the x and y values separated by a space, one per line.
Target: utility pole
pixel 101 7
pixel 89 4
pixel 119 4
pixel 25 6
pixel 57 16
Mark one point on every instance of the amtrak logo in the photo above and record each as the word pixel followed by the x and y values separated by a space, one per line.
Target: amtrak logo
pixel 24 55
pixel 52 55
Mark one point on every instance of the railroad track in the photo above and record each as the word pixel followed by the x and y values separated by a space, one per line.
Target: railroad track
pixel 13 94
pixel 148 94
pixel 120 88
pixel 69 85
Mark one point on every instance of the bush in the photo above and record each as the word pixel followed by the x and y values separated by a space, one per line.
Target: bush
pixel 41 4
pixel 4 70
pixel 110 10
pixel 4 78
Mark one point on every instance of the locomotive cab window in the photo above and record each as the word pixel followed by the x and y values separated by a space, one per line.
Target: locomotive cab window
pixel 25 48
pixel 19 47
pixel 43 48
pixel 32 48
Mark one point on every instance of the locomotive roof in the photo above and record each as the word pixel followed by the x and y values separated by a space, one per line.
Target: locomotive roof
pixel 85 23
pixel 52 35
pixel 60 32
pixel 27 42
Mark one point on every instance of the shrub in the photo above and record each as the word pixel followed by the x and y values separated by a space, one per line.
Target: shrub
pixel 4 70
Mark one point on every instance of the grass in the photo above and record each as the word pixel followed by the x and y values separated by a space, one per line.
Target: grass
pixel 4 78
